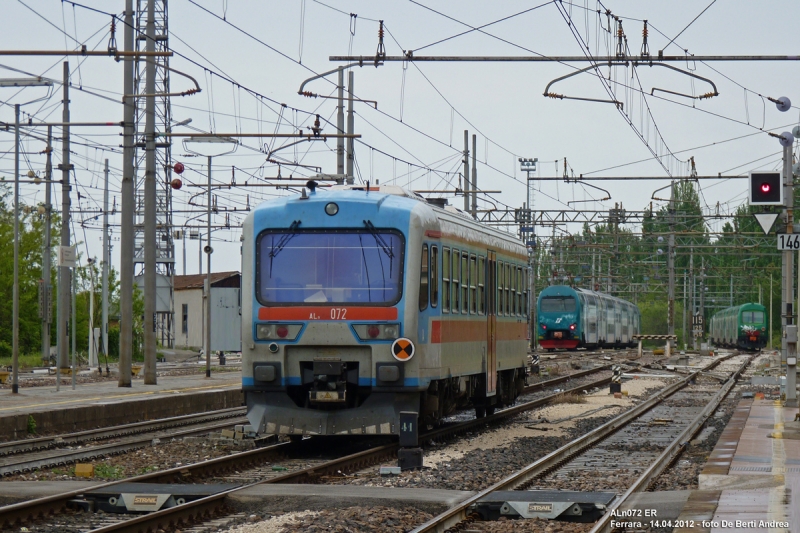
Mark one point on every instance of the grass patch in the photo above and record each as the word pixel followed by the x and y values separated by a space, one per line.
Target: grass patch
pixel 568 398
pixel 146 470
pixel 31 425
pixel 106 471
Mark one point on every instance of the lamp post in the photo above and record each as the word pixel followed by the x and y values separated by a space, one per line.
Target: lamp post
pixel 15 297
pixel 529 235
pixel 208 249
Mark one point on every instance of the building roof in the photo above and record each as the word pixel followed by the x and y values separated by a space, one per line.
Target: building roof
pixel 197 281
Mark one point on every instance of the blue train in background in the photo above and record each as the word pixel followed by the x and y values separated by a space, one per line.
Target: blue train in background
pixel 577 318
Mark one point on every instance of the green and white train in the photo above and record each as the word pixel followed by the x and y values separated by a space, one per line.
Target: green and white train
pixel 743 326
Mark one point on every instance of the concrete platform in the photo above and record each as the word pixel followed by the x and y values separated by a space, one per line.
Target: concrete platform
pixel 751 481
pixel 102 404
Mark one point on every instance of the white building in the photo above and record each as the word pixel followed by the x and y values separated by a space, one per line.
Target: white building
pixel 226 316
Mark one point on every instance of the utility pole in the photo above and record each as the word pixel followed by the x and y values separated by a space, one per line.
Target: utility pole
pixel 150 204
pixel 350 127
pixel 692 295
pixel 789 337
pixel 474 184
pixel 128 206
pixel 74 326
pixel 106 261
pixel 703 294
pixel 46 268
pixel 685 340
pixel 339 126
pixel 15 290
pixel 208 278
pixel 671 264
pixel 64 282
pixel 466 171
pixel 92 344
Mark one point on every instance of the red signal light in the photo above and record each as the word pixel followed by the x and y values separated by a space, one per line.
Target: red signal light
pixel 765 188
pixel 572 327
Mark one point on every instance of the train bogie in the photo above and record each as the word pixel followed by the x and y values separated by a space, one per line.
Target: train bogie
pixel 378 305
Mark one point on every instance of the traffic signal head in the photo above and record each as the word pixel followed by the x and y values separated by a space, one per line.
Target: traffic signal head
pixel 766 188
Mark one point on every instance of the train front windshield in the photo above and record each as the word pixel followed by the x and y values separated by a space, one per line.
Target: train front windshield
pixel 313 268
pixel 557 304
pixel 752 317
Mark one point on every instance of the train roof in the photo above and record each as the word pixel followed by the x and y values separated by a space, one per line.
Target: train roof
pixel 567 290
pixel 451 221
pixel 742 307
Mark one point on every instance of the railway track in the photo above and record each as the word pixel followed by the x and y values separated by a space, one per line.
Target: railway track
pixel 563 466
pixel 84 437
pixel 229 468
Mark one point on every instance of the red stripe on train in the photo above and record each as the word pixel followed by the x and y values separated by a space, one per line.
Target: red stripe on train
pixel 327 313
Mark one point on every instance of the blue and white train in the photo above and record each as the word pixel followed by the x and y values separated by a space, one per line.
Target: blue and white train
pixel 361 302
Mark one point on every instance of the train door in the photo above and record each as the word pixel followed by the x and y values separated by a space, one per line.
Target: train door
pixel 491 323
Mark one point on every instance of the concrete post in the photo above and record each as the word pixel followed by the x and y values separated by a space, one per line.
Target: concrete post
pixel 128 205
pixel 150 202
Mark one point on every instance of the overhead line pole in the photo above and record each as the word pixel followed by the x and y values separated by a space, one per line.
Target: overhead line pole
pixel 150 205
pixel 64 282
pixel 46 268
pixel 127 195
pixel 15 290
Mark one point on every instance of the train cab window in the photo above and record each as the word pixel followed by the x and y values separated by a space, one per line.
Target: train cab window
pixel 423 279
pixel 445 280
pixel 456 287
pixel 465 281
pixel 434 276
pixel 473 295
pixel 481 285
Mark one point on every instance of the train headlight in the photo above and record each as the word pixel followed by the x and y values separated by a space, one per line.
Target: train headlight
pixel 265 331
pixel 287 332
pixel 331 209
pixel 378 332
pixel 572 327
pixel 544 326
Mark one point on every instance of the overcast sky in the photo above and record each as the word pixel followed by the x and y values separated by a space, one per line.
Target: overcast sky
pixel 249 57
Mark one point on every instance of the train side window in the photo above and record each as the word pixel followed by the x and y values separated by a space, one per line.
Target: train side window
pixel 525 275
pixel 501 288
pixel 434 276
pixel 465 281
pixel 509 290
pixel 445 280
pixel 520 311
pixel 423 279
pixel 481 285
pixel 454 305
pixel 473 295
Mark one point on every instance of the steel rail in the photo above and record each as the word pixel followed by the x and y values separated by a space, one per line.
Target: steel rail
pixel 64 457
pixel 42 443
pixel 672 451
pixel 459 513
pixel 20 512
